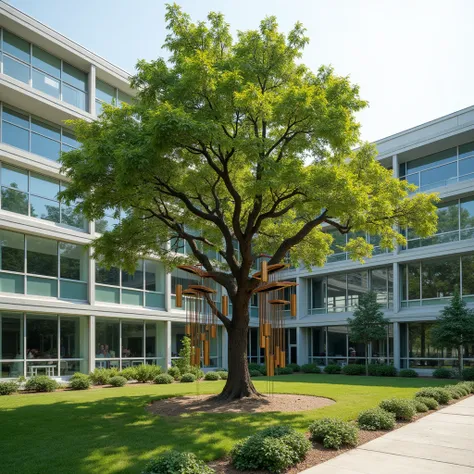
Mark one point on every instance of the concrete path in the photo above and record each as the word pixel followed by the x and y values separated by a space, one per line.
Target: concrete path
pixel 441 443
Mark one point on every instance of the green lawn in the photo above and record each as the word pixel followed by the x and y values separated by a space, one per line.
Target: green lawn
pixel 108 431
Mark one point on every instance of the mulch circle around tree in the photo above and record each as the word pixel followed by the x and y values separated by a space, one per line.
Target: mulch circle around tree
pixel 176 406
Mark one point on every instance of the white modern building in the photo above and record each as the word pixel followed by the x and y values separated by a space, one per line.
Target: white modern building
pixel 61 313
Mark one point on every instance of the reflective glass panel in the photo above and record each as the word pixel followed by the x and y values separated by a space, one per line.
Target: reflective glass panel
pixel 47 84
pixel 11 341
pixel 132 339
pixel 16 118
pixel 44 209
pixel 73 337
pixel 16 46
pixel 337 341
pixel 440 277
pixel 14 201
pixel 73 261
pixel 466 150
pixel 13 251
pixel 16 69
pixel 74 97
pixel 42 256
pixel 41 336
pixel 108 277
pixel 107 337
pixel 70 217
pixel 438 176
pixel 104 92
pixel 336 293
pixel 46 129
pixel 436 159
pixel 378 283
pixel 467 274
pixel 466 166
pixel 448 217
pixel 46 147
pixel 75 77
pixel 318 292
pixel 14 178
pixel 46 62
pixel 154 276
pixel 467 213
pixel 70 139
pixel 44 186
pixel 357 284
pixel 134 280
pixel 15 136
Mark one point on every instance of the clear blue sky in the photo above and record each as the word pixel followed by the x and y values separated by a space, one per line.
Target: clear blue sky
pixel 411 58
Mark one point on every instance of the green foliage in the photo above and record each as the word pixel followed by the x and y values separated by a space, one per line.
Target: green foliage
pixel 310 369
pixel 188 378
pixel 255 373
pixel 467 386
pixel 102 376
pixel 402 408
pixel 197 372
pixel 429 402
pixel 184 361
pixel 146 372
pixel 294 367
pixel 420 407
pixel 442 373
pixel 410 373
pixel 41 383
pixel 163 379
pixel 223 374
pixel 353 369
pixel 333 433
pixel 129 373
pixel 211 376
pixel 274 449
pixel 376 419
pixel 174 462
pixel 7 388
pixel 174 372
pixel 468 374
pixel 332 369
pixel 382 370
pixel 283 370
pixel 441 395
pixel 79 381
pixel 117 381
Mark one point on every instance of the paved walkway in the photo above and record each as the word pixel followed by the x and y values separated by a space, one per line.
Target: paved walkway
pixel 441 443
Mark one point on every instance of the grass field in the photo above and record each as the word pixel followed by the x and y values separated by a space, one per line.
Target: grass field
pixel 108 431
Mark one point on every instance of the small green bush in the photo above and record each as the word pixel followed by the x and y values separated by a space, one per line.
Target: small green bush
pixel 441 395
pixel 102 376
pixel 146 372
pixel 333 433
pixel 468 374
pixel 211 376
pixel 174 372
pixel 7 388
pixel 128 373
pixel 163 379
pixel 431 403
pixel 41 383
pixel 465 390
pixel 404 409
pixel 283 370
pixel 79 381
pixel 310 369
pixel 468 386
pixel 223 374
pixel 354 369
pixel 188 378
pixel 332 369
pixel 254 366
pixel 255 373
pixel 420 407
pixel 442 373
pixel 382 370
pixel 294 367
pixel 456 391
pixel 174 462
pixel 274 449
pixel 117 381
pixel 408 373
pixel 376 419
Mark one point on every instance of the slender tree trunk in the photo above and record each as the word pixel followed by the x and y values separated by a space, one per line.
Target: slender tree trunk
pixel 239 384
pixel 461 361
pixel 366 359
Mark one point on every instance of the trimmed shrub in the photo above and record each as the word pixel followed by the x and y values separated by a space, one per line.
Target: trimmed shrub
pixel 332 369
pixel 255 373
pixel 354 369
pixel 468 374
pixel 456 391
pixel 283 370
pixel 146 372
pixel 431 403
pixel 223 374
pixel 254 366
pixel 310 369
pixel 117 381
pixel 442 373
pixel 274 449
pixel 188 378
pixel 408 373
pixel 295 367
pixel 333 433
pixel 211 376
pixel 79 381
pixel 128 373
pixel 174 372
pixel 468 386
pixel 441 395
pixel 7 388
pixel 174 462
pixel 102 376
pixel 404 409
pixel 376 419
pixel 420 407
pixel 163 379
pixel 197 372
pixel 382 370
pixel 465 389
pixel 41 383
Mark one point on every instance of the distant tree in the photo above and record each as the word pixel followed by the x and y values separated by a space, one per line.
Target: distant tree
pixel 14 200
pixel 368 323
pixel 454 327
pixel 184 361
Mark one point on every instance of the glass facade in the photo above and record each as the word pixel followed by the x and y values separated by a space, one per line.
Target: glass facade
pixel 105 93
pixel 144 287
pixel 41 70
pixel 22 130
pixel 42 267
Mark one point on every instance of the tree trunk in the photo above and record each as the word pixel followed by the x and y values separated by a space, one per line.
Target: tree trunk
pixel 366 359
pixel 238 383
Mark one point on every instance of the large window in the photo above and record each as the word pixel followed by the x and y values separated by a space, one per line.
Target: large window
pixel 43 267
pixel 440 169
pixel 22 130
pixel 34 344
pixel 43 71
pixel 144 287
pixel 105 93
pixel 433 282
pixel 341 292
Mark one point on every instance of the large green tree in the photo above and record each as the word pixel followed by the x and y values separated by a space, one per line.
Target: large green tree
pixel 237 148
